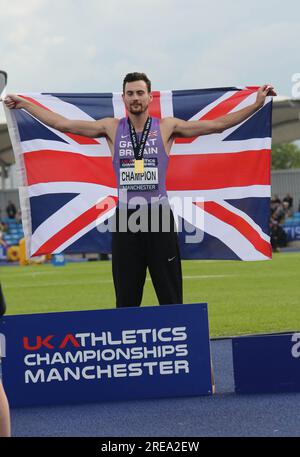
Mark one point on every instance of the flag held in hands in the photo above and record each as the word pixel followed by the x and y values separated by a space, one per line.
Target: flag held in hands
pixel 68 188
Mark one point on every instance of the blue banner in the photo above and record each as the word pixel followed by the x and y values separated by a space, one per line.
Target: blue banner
pixel 115 354
pixel 267 363
pixel 292 231
pixel 58 260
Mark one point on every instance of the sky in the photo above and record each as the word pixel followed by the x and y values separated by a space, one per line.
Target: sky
pixel 89 45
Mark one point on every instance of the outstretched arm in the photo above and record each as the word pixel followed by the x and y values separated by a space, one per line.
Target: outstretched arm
pixel 189 129
pixel 93 129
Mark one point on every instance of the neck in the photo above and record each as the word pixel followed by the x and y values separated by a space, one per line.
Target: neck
pixel 138 120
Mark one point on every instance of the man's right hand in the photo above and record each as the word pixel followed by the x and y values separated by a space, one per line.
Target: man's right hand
pixel 106 127
pixel 14 101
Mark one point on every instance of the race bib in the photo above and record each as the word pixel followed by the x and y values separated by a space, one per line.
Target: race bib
pixel 148 180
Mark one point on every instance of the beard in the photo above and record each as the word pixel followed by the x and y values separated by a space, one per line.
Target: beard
pixel 137 109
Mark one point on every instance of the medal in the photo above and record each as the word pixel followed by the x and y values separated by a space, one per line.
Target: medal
pixel 139 166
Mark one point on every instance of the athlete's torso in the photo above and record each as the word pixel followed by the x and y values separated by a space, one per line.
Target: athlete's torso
pixel 150 185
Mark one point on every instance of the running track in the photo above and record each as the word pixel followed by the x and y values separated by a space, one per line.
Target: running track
pixel 224 414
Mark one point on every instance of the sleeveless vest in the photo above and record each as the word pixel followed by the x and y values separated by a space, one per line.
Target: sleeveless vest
pixel 150 185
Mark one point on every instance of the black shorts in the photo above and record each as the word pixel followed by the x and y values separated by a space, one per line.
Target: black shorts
pixel 133 251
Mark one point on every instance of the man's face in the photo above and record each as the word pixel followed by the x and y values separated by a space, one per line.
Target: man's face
pixel 137 97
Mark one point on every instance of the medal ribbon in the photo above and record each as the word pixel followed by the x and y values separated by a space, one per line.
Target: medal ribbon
pixel 138 148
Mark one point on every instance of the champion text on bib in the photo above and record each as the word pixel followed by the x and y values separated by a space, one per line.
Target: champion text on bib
pixel 139 181
pixel 149 182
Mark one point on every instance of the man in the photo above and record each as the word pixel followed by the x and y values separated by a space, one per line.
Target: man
pixel 289 199
pixel 141 172
pixel 11 210
pixel 4 408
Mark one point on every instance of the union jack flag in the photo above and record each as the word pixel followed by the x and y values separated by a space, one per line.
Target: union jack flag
pixel 68 188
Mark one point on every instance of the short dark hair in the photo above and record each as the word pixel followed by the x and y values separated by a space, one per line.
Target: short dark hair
pixel 131 77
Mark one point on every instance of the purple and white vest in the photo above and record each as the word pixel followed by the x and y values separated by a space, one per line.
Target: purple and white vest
pixel 151 183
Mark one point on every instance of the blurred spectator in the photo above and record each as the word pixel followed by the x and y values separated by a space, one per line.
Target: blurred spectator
pixel 273 206
pixel 18 217
pixel 287 210
pixel 277 211
pixel 3 227
pixel 11 210
pixel 278 236
pixel 2 242
pixel 276 199
pixel 280 210
pixel 289 199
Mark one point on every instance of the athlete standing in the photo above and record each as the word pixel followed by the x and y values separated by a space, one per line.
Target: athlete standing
pixel 140 148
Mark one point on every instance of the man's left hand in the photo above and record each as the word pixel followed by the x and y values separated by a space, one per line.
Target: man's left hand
pixel 262 93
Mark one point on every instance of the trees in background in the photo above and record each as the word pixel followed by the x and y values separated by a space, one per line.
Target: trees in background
pixel 286 155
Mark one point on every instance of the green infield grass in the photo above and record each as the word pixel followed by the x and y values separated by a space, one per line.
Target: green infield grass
pixel 242 297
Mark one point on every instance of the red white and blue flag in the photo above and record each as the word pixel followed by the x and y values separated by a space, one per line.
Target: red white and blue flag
pixel 68 188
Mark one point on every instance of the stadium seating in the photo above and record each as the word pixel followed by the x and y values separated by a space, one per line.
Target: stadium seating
pixel 14 233
pixel 294 220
